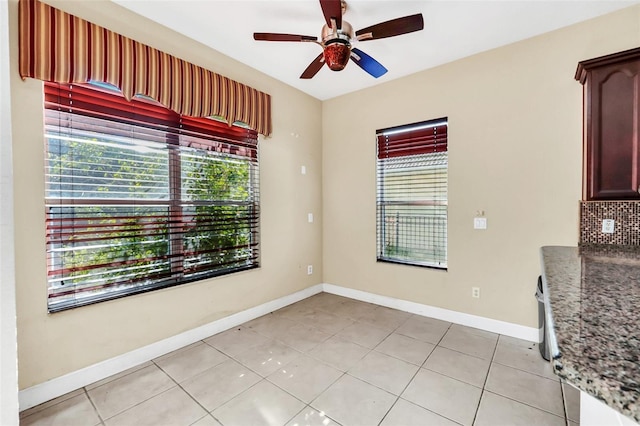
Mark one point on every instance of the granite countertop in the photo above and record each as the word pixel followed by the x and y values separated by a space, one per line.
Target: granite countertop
pixel 592 301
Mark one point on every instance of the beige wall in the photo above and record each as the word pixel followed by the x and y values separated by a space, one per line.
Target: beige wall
pixel 515 134
pixel 53 345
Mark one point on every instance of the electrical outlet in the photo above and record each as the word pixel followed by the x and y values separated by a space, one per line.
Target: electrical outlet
pixel 475 292
pixel 309 269
pixel 310 217
pixel 608 226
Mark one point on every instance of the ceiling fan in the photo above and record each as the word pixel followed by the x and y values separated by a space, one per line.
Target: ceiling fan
pixel 337 35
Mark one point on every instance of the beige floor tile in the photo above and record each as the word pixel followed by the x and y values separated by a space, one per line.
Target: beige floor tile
pixel 305 377
pixel 353 309
pixel 405 348
pixel 339 353
pixel 572 402
pixel 311 417
pixel 522 355
pixel 207 421
pixel 326 300
pixel 470 343
pixel 353 402
pixel 384 371
pixel 405 413
pixel 185 364
pixel 178 351
pixel 474 331
pixel 73 411
pixel 320 301
pixel 303 337
pixel 385 318
pixel 220 384
pixel 262 404
pixel 50 403
pixel 525 344
pixel 268 357
pixel 173 407
pixel 236 340
pixel 498 410
pixel 117 376
pixel 270 325
pixel 123 393
pixel 466 368
pixel 304 364
pixel 325 321
pixel 525 387
pixel 364 334
pixel 423 328
pixel 296 311
pixel 443 395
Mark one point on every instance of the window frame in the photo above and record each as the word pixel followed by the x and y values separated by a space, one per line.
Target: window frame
pixel 402 153
pixel 207 137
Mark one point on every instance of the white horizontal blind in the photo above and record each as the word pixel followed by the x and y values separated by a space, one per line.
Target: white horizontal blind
pixel 138 199
pixel 412 194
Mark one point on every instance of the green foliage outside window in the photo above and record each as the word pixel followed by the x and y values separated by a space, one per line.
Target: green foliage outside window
pixel 118 197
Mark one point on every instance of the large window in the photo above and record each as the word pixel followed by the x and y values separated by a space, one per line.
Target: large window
pixel 140 198
pixel 412 194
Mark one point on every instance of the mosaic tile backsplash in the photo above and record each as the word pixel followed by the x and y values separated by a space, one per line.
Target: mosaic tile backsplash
pixel 627 222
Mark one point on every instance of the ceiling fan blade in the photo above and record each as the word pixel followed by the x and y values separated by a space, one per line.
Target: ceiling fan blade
pixel 332 9
pixel 367 63
pixel 283 37
pixel 394 27
pixel 313 67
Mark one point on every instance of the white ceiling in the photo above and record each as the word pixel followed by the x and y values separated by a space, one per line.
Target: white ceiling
pixel 453 29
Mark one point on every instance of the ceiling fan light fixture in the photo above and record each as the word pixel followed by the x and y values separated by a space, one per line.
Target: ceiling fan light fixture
pixel 336 54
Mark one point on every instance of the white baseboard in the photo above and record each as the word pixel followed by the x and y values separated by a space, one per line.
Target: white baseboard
pixel 495 326
pixel 54 388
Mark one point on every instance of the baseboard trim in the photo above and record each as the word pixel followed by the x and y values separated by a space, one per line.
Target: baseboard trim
pixel 54 388
pixel 496 326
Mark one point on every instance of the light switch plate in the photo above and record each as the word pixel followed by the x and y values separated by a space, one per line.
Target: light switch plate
pixel 310 217
pixel 608 226
pixel 479 223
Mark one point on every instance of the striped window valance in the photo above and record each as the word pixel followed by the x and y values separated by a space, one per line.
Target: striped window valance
pixel 59 47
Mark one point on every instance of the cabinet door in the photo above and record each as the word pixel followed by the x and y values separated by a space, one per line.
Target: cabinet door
pixel 612 117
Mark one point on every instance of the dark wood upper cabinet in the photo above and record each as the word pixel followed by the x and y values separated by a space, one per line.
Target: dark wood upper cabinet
pixel 611 163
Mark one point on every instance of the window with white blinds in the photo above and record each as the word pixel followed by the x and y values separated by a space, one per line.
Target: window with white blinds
pixel 140 198
pixel 412 194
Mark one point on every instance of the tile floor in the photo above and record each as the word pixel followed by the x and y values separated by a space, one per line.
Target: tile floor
pixel 329 360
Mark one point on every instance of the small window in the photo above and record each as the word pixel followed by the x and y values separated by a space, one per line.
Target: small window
pixel 140 198
pixel 412 194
